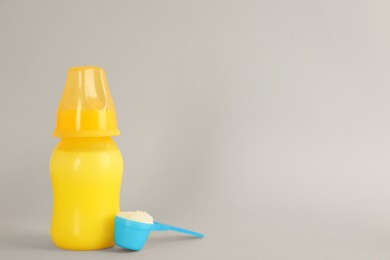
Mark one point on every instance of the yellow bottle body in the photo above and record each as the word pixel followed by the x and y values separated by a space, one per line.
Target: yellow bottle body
pixel 86 176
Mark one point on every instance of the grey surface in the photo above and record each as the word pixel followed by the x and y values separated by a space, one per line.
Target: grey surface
pixel 263 124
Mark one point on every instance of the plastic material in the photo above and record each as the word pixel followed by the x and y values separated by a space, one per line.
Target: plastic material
pixel 86 108
pixel 132 235
pixel 86 165
pixel 164 227
pixel 86 176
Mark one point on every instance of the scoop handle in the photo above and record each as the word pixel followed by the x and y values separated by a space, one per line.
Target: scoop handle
pixel 163 227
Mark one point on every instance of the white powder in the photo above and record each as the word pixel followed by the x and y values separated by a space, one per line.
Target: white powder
pixel 139 216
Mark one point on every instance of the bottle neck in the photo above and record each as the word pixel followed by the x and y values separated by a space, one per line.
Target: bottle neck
pixel 86 143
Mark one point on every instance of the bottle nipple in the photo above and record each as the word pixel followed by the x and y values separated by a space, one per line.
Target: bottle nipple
pixel 86 108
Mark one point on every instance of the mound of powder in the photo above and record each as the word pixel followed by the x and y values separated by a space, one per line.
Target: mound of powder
pixel 140 216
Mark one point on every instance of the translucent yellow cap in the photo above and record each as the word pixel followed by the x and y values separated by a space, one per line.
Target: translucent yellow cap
pixel 86 108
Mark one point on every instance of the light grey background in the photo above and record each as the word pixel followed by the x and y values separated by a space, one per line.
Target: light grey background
pixel 263 124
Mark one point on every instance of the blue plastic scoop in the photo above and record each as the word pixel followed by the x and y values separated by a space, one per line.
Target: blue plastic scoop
pixel 132 235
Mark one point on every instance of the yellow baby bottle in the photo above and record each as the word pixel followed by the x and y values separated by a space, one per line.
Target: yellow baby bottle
pixel 86 165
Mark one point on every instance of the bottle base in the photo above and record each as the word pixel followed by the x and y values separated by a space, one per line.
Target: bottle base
pixel 80 248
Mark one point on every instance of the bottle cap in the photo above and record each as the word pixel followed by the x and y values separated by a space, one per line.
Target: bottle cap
pixel 86 108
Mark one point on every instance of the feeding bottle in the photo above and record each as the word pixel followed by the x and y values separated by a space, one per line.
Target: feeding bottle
pixel 86 165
